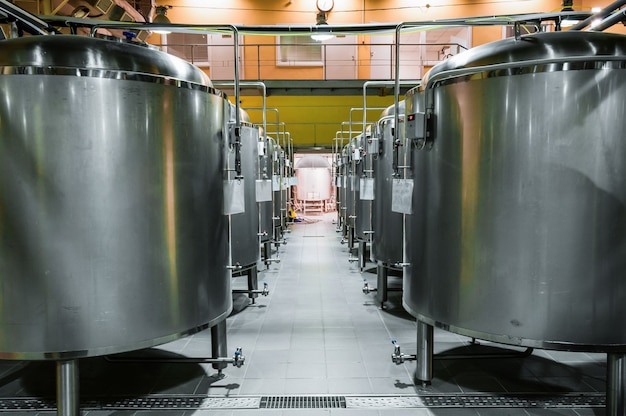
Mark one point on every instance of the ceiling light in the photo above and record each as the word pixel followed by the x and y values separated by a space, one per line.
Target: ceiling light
pixel 161 18
pixel 325 33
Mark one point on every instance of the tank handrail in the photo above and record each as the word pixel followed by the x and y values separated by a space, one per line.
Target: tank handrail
pixel 368 84
pixel 429 99
pixel 455 73
pixel 602 14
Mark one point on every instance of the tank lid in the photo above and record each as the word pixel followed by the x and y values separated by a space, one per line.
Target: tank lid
pixel 391 110
pixel 540 46
pixel 94 57
pixel 312 161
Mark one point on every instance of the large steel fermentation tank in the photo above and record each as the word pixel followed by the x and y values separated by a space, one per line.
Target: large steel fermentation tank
pixel 349 193
pixel 108 239
pixel 519 227
pixel 244 225
pixel 363 195
pixel 266 204
pixel 341 189
pixel 387 225
pixel 314 187
pixel 279 189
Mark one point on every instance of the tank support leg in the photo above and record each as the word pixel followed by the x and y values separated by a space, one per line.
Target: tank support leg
pixel 382 278
pixel 350 238
pixel 253 283
pixel 68 400
pixel 615 393
pixel 218 344
pixel 362 254
pixel 267 253
pixel 424 369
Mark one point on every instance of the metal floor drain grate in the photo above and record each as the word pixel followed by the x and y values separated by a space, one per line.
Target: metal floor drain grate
pixel 27 404
pixel 302 402
pixel 566 401
pixel 192 402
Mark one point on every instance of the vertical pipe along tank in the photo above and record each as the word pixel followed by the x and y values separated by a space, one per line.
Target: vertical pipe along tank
pixel 519 227
pixel 112 236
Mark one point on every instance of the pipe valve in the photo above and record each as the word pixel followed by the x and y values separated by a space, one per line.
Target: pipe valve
pixel 238 358
pixel 367 289
pixel 266 289
pixel 398 357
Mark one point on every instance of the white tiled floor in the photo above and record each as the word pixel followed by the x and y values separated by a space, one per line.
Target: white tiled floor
pixel 317 333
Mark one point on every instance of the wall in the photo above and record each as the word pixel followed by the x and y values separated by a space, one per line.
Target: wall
pixel 314 120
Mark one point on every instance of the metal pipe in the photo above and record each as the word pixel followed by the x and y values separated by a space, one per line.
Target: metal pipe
pixel 610 21
pixel 600 15
pixel 615 384
pixel 68 398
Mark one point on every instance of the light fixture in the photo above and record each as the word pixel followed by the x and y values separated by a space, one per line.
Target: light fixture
pixel 161 18
pixel 80 12
pixel 568 6
pixel 321 23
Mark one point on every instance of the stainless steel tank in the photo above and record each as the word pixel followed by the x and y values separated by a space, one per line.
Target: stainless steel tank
pixel 387 245
pixel 109 240
pixel 363 204
pixel 350 190
pixel 519 227
pixel 314 181
pixel 265 174
pixel 245 225
pixel 278 188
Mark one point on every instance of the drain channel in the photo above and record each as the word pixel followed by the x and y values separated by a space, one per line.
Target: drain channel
pixel 302 402
pixel 192 402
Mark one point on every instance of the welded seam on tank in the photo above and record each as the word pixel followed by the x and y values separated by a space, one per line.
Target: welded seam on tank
pixel 107 74
pixel 591 64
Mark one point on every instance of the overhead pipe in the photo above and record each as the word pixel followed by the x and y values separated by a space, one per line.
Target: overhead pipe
pixel 602 14
pixel 616 17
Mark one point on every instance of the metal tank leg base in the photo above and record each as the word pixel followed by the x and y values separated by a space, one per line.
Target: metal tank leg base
pixel 362 254
pixel 219 345
pixel 424 356
pixel 68 400
pixel 253 283
pixel 615 384
pixel 382 278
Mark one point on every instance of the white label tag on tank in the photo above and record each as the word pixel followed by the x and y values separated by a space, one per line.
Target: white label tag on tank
pixel 261 146
pixel 276 183
pixel 263 190
pixel 402 196
pixel 234 197
pixel 366 186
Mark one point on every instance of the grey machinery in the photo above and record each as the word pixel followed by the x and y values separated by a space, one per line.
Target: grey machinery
pixel 363 195
pixel 388 159
pixel 108 241
pixel 265 198
pixel 244 221
pixel 519 228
